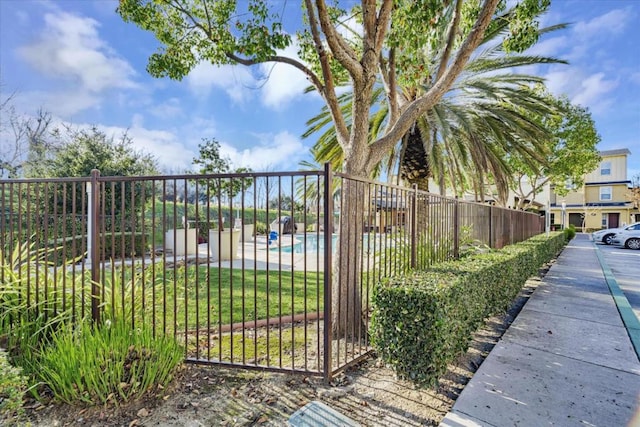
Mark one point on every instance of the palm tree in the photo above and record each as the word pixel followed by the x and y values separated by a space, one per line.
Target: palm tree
pixel 463 140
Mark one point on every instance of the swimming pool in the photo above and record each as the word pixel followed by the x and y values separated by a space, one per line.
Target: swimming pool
pixel 314 243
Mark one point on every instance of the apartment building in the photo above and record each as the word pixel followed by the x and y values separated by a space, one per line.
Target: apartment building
pixel 602 202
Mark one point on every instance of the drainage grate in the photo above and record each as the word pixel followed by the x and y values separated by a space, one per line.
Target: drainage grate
pixel 317 414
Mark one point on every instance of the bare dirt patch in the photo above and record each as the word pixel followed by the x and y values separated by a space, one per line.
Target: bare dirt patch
pixel 369 393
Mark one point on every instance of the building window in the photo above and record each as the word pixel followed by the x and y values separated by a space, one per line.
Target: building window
pixel 605 168
pixel 605 220
pixel 605 193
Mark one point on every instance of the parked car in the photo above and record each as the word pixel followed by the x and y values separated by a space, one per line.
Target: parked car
pixel 628 238
pixel 605 236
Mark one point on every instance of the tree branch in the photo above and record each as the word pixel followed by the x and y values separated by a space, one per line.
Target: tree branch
pixel 450 40
pixel 282 59
pixel 382 26
pixel 390 84
pixel 429 99
pixel 340 49
pixel 328 90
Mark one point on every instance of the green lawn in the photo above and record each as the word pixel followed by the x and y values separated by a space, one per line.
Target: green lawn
pixel 201 297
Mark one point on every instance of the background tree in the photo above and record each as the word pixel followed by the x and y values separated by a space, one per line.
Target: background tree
pixel 571 153
pixel 77 153
pixel 210 162
pixel 394 33
pixel 286 204
pixel 24 140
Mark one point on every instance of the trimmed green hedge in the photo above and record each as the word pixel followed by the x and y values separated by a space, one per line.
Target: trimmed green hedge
pixel 112 240
pixel 424 320
pixel 570 232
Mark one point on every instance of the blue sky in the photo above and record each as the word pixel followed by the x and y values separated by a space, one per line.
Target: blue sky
pixel 79 61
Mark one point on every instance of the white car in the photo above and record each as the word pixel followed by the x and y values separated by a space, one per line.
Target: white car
pixel 628 238
pixel 605 236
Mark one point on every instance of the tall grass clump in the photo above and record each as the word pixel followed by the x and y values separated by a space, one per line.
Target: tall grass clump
pixel 35 300
pixel 110 363
pixel 45 324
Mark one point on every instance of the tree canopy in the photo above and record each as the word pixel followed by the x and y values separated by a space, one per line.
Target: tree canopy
pixel 211 161
pixel 389 49
pixel 571 152
pixel 24 140
pixel 460 141
pixel 77 152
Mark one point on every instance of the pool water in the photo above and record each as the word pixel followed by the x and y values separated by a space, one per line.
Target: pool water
pixel 314 244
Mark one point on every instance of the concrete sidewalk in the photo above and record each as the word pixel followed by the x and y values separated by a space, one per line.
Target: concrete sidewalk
pixel 566 360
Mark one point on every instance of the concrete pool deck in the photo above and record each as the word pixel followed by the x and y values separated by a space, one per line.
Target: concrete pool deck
pixel 259 254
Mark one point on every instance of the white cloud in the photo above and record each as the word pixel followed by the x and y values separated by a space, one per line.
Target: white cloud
pixel 200 127
pixel 285 83
pixel 64 103
pixel 584 35
pixel 170 109
pixel 69 47
pixel 591 91
pixel 171 152
pixel 612 22
pixel 277 84
pixel 282 150
pixel 236 81
pixel 549 47
pixel 175 152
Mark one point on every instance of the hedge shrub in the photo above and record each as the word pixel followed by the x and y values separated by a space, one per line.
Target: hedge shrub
pixel 424 320
pixel 65 251
pixel 570 232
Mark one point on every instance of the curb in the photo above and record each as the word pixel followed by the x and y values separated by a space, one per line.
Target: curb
pixel 631 322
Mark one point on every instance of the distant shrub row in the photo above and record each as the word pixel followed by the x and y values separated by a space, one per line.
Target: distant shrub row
pixel 115 245
pixel 424 320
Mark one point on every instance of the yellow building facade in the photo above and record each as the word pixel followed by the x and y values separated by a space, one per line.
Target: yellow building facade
pixel 602 202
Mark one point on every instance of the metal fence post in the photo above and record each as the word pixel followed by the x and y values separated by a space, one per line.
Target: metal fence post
pixel 414 224
pixel 456 230
pixel 94 206
pixel 328 266
pixel 491 241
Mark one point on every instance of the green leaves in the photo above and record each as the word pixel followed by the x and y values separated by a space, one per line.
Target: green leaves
pixel 80 151
pixel 523 28
pixel 215 31
pixel 570 149
pixel 13 386
pixel 211 162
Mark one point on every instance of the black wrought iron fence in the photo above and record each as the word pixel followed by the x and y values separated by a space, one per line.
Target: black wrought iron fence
pixel 270 271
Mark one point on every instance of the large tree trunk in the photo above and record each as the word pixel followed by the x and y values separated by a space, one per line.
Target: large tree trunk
pixel 347 308
pixel 346 303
